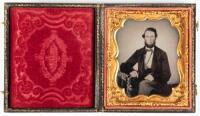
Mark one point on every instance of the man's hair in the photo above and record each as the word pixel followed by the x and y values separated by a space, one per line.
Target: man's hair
pixel 150 29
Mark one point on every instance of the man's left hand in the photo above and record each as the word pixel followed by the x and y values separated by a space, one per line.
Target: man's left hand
pixel 149 77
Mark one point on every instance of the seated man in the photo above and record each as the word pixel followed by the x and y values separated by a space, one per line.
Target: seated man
pixel 147 71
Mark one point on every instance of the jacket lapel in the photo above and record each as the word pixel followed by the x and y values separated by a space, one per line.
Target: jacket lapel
pixel 155 55
pixel 141 60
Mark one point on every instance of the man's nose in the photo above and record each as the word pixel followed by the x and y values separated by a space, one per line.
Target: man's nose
pixel 152 39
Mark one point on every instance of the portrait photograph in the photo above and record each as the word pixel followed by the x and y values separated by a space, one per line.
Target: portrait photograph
pixel 149 58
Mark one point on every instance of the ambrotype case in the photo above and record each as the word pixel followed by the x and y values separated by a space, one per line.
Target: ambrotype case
pixel 70 57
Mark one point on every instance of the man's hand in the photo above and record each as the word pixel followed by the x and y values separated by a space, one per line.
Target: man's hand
pixel 123 76
pixel 135 67
pixel 149 77
pixel 134 74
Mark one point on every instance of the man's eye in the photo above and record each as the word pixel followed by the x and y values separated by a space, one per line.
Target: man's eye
pixel 150 36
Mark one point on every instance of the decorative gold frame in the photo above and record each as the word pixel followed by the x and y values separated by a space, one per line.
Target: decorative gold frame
pixel 182 96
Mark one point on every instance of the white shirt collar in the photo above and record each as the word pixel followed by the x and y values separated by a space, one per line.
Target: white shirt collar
pixel 146 48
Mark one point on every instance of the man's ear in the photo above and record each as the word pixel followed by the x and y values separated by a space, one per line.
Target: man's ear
pixel 143 35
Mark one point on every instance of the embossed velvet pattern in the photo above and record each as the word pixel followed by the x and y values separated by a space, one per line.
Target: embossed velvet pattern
pixel 51 57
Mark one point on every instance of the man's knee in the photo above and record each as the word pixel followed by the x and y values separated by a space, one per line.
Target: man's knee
pixel 145 88
pixel 144 83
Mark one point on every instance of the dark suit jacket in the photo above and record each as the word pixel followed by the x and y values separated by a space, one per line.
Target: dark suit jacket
pixel 160 69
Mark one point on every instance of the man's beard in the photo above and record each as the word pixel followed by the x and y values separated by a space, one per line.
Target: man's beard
pixel 150 46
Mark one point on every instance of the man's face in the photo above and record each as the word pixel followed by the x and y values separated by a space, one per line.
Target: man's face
pixel 150 38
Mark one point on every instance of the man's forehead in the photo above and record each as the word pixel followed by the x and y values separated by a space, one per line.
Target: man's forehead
pixel 149 32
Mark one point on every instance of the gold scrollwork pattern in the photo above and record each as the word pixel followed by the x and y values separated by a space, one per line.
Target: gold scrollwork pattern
pixel 114 97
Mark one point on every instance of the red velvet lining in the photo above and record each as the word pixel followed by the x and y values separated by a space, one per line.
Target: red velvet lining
pixel 51 56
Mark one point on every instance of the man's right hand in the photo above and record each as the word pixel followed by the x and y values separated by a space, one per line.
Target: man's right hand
pixel 134 74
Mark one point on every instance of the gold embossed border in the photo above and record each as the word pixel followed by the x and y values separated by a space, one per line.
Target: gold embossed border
pixel 182 95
